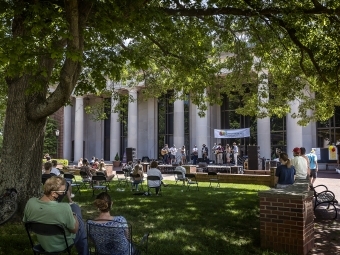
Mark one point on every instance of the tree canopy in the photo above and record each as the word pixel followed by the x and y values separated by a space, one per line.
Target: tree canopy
pixel 179 45
pixel 205 48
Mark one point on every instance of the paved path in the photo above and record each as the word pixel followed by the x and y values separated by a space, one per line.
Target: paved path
pixel 327 231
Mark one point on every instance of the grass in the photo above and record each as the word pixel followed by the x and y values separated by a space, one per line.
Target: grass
pixel 209 221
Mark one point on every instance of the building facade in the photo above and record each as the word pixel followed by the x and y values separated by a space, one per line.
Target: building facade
pixel 148 124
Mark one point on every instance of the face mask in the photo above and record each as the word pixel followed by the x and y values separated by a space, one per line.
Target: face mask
pixel 60 197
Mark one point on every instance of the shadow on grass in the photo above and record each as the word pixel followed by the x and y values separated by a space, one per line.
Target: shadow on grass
pixel 209 221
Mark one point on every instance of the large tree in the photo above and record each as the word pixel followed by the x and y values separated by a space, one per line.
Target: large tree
pixel 205 48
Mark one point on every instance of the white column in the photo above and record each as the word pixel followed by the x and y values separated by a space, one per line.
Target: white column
pixel 67 142
pixel 152 129
pixel 294 131
pixel 114 131
pixel 201 132
pixel 179 123
pixel 132 121
pixel 78 128
pixel 263 125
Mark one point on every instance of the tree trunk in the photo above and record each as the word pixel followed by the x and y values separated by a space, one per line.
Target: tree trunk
pixel 21 160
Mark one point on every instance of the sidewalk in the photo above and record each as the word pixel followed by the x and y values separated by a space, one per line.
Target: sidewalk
pixel 327 231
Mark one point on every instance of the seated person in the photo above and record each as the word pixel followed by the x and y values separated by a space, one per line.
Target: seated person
pixel 128 169
pixel 285 173
pixel 119 237
pixel 55 170
pixel 49 210
pixel 85 168
pixel 102 169
pixel 137 180
pixel 181 169
pixel 48 174
pixel 95 164
pixel 153 171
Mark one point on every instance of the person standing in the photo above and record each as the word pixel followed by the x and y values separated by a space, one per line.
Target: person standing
pixel 302 153
pixel 183 155
pixel 235 153
pixel 219 154
pixel 300 164
pixel 195 155
pixel 214 150
pixel 173 152
pixel 227 153
pixel 313 165
pixel 165 154
pixel 205 153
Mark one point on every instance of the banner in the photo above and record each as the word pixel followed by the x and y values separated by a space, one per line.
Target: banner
pixel 232 133
pixel 332 153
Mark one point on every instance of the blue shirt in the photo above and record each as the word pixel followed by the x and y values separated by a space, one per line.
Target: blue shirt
pixel 313 159
pixel 285 174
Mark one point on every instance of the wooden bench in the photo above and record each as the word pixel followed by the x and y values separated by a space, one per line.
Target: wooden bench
pixel 331 164
pixel 324 196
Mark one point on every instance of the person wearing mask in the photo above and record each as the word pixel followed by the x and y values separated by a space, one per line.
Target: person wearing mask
pixel 49 210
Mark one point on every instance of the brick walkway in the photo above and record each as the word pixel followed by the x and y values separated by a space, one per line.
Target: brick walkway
pixel 327 231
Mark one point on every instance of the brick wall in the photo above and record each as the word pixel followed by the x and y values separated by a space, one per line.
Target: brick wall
pixel 287 218
pixel 267 180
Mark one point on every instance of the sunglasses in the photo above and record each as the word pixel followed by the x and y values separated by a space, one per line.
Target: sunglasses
pixel 63 192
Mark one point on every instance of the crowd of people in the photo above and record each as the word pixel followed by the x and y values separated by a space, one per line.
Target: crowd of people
pixel 222 154
pixel 300 166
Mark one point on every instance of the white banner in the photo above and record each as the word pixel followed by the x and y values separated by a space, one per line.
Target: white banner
pixel 232 133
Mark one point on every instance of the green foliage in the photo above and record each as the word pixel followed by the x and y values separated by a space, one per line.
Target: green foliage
pixel 117 157
pixel 50 141
pixel 60 161
pixel 215 221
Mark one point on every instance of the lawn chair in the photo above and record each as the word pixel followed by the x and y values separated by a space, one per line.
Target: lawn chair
pixel 121 178
pixel 46 230
pixel 179 176
pixel 155 178
pixel 191 180
pixel 213 177
pixel 99 183
pixel 113 237
pixel 74 184
pixel 85 179
pixel 140 182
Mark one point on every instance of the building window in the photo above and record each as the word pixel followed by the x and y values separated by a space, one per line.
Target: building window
pixel 328 132
pixel 231 120
pixel 187 127
pixel 124 101
pixel 165 121
pixel 278 136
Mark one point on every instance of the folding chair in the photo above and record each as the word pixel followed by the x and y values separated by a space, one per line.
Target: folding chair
pixel 113 237
pixel 179 176
pixel 155 178
pixel 121 178
pixel 140 182
pixel 46 230
pixel 85 179
pixel 73 183
pixel 99 183
pixel 214 178
pixel 191 180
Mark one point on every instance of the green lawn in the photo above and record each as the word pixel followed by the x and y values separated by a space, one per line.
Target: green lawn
pixel 208 221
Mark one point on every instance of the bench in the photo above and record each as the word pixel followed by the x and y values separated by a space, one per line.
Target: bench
pixel 324 196
pixel 331 164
